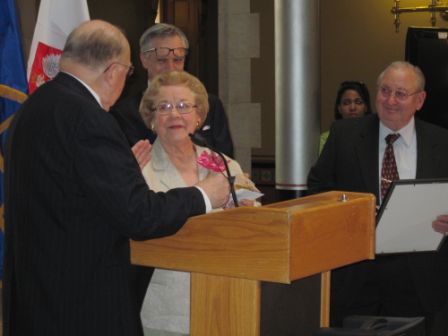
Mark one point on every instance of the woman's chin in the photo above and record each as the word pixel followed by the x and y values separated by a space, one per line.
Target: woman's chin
pixel 177 138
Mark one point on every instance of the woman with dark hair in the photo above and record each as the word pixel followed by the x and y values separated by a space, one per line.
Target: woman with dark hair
pixel 352 101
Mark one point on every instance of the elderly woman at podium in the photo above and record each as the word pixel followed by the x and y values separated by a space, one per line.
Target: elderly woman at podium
pixel 174 106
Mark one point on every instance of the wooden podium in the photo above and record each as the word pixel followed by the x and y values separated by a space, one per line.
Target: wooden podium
pixel 230 253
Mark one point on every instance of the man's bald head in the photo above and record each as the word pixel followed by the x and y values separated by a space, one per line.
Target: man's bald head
pixel 94 44
pixel 98 54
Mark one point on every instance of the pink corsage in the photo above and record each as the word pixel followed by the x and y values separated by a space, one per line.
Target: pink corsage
pixel 212 162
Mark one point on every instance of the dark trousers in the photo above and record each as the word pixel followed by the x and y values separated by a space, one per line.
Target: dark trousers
pixel 140 278
pixel 380 287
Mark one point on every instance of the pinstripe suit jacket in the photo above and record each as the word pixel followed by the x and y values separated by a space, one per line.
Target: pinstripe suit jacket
pixel 349 161
pixel 74 197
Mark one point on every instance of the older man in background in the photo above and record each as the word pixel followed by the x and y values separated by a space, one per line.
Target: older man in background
pixel 354 159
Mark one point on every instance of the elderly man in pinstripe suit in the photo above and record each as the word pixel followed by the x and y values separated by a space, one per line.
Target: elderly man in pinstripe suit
pixel 75 195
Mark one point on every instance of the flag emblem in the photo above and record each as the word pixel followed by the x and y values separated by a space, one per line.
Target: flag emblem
pixel 45 65
pixel 55 21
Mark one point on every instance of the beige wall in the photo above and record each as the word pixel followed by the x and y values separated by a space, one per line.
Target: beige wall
pixel 358 40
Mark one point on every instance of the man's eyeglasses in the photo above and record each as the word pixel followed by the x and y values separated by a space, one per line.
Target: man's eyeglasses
pixel 164 52
pixel 400 95
pixel 130 68
pixel 181 107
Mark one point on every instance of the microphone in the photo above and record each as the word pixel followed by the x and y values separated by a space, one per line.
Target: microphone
pixel 201 141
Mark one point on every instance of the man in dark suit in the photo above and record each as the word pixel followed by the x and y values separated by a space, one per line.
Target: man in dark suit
pixel 164 47
pixel 75 195
pixel 413 284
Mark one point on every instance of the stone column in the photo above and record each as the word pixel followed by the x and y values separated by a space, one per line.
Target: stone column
pixel 238 36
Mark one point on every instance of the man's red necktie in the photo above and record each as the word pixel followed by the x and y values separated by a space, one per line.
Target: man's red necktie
pixel 389 170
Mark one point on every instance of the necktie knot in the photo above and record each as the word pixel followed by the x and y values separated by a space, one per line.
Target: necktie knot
pixel 391 138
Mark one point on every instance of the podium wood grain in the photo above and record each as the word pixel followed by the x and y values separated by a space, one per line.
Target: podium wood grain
pixel 238 314
pixel 230 252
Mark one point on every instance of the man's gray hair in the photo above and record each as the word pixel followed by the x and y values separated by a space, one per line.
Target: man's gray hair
pixel 93 48
pixel 402 65
pixel 161 30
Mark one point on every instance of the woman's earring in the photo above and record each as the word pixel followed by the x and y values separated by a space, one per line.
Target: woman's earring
pixel 152 127
pixel 198 124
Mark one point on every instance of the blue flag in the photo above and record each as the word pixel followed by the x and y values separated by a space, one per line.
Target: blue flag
pixel 13 84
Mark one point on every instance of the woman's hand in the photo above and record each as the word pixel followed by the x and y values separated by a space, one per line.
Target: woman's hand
pixel 142 152
pixel 246 202
pixel 243 202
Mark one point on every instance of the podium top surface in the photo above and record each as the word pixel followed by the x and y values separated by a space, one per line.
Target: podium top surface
pixel 279 242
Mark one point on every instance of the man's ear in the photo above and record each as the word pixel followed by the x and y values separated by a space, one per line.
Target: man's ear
pixel 421 96
pixel 143 60
pixel 112 74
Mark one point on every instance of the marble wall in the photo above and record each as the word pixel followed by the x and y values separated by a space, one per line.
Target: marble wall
pixel 239 42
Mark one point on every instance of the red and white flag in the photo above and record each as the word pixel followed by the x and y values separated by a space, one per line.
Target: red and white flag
pixel 56 19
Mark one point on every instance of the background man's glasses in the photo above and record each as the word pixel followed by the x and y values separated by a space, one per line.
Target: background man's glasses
pixel 400 95
pixel 181 107
pixel 164 52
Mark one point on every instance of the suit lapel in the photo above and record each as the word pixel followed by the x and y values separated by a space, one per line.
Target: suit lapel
pixel 427 156
pixel 168 175
pixel 367 153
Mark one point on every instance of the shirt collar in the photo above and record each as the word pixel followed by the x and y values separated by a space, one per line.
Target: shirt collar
pixel 406 133
pixel 94 94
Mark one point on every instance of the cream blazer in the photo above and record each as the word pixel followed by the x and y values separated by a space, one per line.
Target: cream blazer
pixel 166 307
pixel 162 175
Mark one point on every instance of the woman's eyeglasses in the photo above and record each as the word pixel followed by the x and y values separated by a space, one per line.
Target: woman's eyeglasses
pixel 180 107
